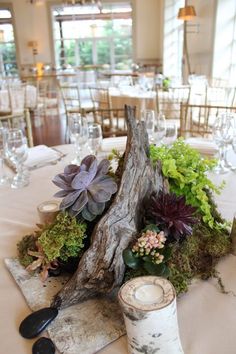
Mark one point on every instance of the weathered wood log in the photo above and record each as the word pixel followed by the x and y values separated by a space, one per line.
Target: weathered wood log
pixel 101 269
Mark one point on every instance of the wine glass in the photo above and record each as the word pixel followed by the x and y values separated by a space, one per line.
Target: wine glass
pixel 94 137
pixel 78 130
pixel 159 128
pixel 16 151
pixel 233 117
pixel 3 177
pixel 148 116
pixel 223 134
pixel 171 132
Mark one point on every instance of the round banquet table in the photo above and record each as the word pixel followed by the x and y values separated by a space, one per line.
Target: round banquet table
pixel 207 318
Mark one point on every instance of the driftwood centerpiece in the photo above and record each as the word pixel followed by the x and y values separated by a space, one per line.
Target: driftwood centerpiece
pixel 101 269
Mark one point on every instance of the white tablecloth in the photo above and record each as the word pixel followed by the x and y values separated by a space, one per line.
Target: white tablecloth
pixel 207 318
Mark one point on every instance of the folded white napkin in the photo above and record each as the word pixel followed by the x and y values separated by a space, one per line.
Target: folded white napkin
pixel 118 143
pixel 204 146
pixel 41 155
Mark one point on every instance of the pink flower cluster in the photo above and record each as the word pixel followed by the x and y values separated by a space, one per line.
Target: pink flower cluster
pixel 148 244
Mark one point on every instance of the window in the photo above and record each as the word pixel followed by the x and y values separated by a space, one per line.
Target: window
pixel 173 39
pixel 224 60
pixel 8 65
pixel 85 36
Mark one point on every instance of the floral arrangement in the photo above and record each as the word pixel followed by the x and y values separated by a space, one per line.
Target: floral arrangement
pixel 195 235
pixel 182 234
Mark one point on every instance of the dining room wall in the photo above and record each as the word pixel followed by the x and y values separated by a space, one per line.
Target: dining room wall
pixel 31 24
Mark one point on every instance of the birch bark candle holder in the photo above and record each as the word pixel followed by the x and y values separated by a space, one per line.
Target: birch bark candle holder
pixel 48 211
pixel 149 309
pixel 233 235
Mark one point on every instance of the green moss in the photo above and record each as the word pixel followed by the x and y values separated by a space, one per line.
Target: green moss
pixel 63 239
pixel 179 280
pixel 28 242
pixel 197 256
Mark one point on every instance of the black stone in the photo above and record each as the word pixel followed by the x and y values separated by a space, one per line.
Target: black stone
pixel 37 321
pixel 54 272
pixel 43 346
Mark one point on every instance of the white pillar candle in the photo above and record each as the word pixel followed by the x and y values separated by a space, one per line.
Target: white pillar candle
pixel 48 211
pixel 149 309
pixel 233 235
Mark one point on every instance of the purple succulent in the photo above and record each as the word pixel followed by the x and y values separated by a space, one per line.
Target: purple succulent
pixel 171 214
pixel 85 188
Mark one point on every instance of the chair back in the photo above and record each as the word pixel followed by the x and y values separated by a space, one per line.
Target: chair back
pixel 217 96
pixel 198 120
pixel 20 121
pixel 71 97
pixel 112 121
pixel 17 98
pixel 100 98
pixel 168 101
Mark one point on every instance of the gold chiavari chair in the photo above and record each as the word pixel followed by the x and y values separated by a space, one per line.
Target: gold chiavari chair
pixel 101 101
pixel 168 101
pixel 20 121
pixel 71 98
pixel 197 120
pixel 113 126
pixel 100 98
pixel 218 95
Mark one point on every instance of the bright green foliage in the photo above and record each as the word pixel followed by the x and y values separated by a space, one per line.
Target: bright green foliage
pixel 187 171
pixel 63 239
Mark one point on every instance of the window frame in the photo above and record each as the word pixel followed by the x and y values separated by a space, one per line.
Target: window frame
pixel 53 3
pixel 9 6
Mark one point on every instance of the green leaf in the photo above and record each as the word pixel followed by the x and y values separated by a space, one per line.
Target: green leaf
pixel 167 253
pixel 151 227
pixel 166 272
pixel 130 259
pixel 187 175
pixel 154 269
pixel 147 259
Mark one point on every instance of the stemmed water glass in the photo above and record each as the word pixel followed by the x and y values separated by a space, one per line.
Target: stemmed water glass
pixel 78 130
pixel 94 137
pixel 223 134
pixel 148 116
pixel 159 128
pixel 3 178
pixel 16 151
pixel 171 132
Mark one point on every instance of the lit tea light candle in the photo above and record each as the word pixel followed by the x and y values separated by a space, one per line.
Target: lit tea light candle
pixel 48 211
pixel 149 294
pixel 149 309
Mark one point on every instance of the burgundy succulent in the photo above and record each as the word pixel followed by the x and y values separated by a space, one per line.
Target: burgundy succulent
pixel 85 188
pixel 171 214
